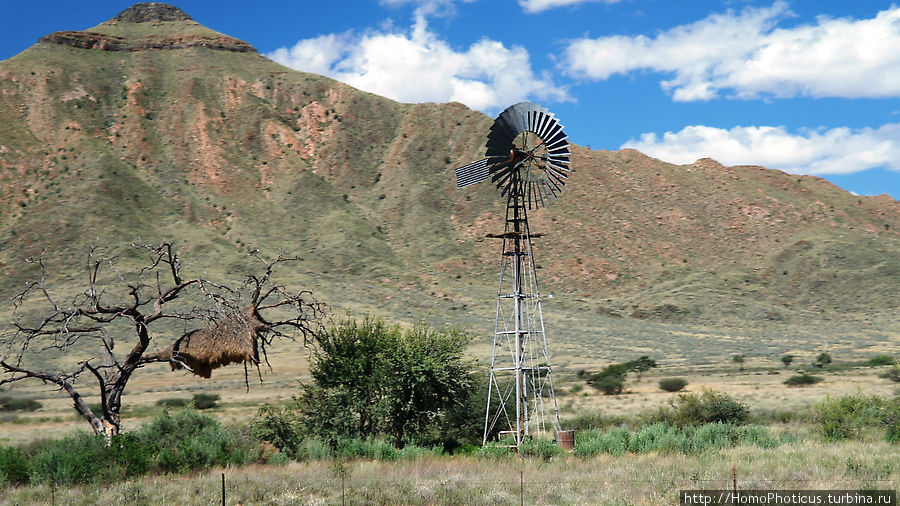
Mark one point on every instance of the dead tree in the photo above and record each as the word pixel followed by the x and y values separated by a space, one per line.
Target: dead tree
pixel 227 324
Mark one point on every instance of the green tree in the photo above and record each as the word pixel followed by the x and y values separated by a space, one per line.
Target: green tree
pixel 823 359
pixel 370 378
pixel 640 365
pixel 611 380
pixel 786 359
pixel 738 359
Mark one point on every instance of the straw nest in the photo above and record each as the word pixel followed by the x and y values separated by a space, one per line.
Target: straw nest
pixel 228 340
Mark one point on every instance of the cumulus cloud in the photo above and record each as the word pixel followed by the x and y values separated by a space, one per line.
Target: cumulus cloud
pixel 415 65
pixel 533 6
pixel 746 55
pixel 817 152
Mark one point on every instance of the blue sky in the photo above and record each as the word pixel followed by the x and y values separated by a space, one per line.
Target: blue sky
pixel 804 86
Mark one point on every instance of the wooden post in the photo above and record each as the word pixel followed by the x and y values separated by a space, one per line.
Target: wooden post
pixel 223 489
pixel 521 487
pixel 734 478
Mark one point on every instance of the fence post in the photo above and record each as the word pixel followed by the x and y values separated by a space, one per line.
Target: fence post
pixel 521 487
pixel 734 478
pixel 223 489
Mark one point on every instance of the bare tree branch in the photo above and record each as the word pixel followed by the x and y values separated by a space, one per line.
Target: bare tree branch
pixel 153 293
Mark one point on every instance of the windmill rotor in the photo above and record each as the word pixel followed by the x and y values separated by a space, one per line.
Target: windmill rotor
pixel 527 151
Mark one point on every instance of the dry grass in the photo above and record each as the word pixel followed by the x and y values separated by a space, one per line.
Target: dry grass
pixel 649 479
pixel 756 387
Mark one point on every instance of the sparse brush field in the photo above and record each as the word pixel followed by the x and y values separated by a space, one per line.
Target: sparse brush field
pixel 760 386
pixel 781 448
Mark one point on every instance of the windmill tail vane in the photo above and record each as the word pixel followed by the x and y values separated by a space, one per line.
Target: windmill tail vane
pixel 527 159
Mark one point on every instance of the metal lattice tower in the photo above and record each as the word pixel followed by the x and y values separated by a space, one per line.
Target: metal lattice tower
pixel 527 158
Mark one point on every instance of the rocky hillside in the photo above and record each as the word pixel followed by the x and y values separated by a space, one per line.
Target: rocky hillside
pixel 150 126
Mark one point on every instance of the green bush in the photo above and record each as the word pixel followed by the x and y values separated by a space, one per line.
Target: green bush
pixel 802 380
pixel 708 407
pixel 173 442
pixel 662 437
pixel 611 380
pixel 609 385
pixel 280 427
pixel 187 440
pixel 10 403
pixel 79 458
pixel 206 401
pixel 823 359
pixel 892 374
pixel 672 384
pixel 172 403
pixel 882 360
pixel 493 450
pixel 278 459
pixel 541 448
pixel 846 417
pixel 13 466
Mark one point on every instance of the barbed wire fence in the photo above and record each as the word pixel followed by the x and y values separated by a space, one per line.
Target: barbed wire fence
pixel 355 491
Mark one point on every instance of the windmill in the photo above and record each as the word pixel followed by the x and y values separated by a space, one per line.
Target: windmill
pixel 527 158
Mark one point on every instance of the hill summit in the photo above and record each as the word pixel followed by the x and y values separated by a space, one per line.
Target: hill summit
pixel 148 12
pixel 148 26
pixel 150 126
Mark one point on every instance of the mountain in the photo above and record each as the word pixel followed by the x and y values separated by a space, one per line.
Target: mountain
pixel 149 126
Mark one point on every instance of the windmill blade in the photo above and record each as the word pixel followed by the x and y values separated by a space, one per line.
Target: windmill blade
pixel 556 180
pixel 561 163
pixel 540 195
pixel 549 193
pixel 549 127
pixel 472 173
pixel 560 142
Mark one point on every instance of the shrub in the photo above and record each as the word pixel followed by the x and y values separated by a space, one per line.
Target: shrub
pixel 206 401
pixel 663 437
pixel 280 427
pixel 492 450
pixel 172 442
pixel 79 458
pixel 542 448
pixel 609 385
pixel 672 384
pixel 708 407
pixel 786 359
pixel 640 365
pixel 596 420
pixel 846 417
pixel 187 440
pixel 13 466
pixel 802 380
pixel 893 374
pixel 10 403
pixel 172 403
pixel 611 380
pixel 823 359
pixel 882 360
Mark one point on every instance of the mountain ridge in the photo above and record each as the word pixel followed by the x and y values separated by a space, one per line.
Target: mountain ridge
pixel 230 152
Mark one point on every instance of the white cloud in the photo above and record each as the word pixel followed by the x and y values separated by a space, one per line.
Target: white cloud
pixel 415 65
pixel 746 55
pixel 533 6
pixel 833 151
pixel 315 55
